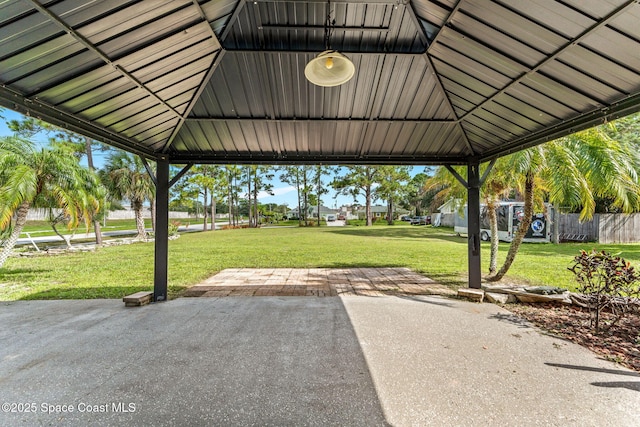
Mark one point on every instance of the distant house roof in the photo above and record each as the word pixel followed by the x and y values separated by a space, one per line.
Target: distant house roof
pixel 451 206
pixel 313 209
pixel 383 209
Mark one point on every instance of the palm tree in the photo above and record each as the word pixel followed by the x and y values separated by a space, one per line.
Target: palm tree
pixel 127 178
pixel 45 177
pixel 569 172
pixel 574 171
pixel 496 185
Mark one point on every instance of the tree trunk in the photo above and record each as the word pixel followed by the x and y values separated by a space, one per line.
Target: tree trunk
pixel 152 207
pixel 318 188
pixel 522 229
pixel 250 197
pixel 137 208
pixel 390 212
pixel 492 209
pixel 367 209
pixel 21 219
pixel 255 204
pixel 96 223
pixel 87 146
pixel 305 194
pixel 229 199
pixel 205 214
pixel 67 240
pixel 97 228
pixel 213 212
pixel 299 198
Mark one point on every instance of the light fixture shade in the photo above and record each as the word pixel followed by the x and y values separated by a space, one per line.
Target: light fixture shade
pixel 330 68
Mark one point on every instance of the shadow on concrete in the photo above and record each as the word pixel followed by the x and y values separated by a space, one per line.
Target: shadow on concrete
pixel 205 361
pixel 592 369
pixel 512 319
pixel 631 385
pixel 426 299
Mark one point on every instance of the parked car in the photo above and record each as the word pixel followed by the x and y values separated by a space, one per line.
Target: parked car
pixel 421 220
pixel 331 218
pixel 341 217
pixel 405 218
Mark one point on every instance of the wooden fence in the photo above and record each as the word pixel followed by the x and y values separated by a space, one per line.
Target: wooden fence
pixel 571 229
pixel 603 228
pixel 619 228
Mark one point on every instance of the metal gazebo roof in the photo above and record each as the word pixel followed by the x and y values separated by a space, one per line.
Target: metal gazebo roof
pixel 222 81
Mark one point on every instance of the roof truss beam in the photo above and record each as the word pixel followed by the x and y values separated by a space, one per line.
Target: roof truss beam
pixel 321 27
pixel 562 49
pixel 96 51
pixel 53 115
pixel 281 120
pixel 311 159
pixel 585 121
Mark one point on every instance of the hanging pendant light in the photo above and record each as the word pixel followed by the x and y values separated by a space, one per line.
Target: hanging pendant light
pixel 330 68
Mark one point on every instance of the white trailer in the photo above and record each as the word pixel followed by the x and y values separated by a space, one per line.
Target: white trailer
pixel 510 216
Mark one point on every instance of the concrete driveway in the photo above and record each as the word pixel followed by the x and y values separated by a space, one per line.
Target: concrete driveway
pixel 343 361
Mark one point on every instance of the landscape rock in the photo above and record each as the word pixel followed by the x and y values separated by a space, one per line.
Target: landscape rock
pixel 500 298
pixel 557 298
pixel 471 294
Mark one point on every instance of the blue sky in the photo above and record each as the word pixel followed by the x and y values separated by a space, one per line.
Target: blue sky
pixel 283 193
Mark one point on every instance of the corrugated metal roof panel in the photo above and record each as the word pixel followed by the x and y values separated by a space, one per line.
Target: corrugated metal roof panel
pixel 569 76
pixel 565 21
pixel 218 80
pixel 612 44
pixel 359 27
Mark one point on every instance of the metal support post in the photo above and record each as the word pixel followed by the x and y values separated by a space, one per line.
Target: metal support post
pixel 473 226
pixel 162 230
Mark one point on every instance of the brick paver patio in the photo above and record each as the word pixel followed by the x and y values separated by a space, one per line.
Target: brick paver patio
pixel 317 282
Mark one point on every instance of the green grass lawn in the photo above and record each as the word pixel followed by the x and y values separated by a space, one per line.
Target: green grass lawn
pixel 113 272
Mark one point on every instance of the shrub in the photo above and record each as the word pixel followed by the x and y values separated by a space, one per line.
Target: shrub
pixel 173 228
pixel 608 282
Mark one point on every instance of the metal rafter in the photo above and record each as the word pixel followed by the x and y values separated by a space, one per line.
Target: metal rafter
pixel 149 171
pixel 315 52
pixel 454 10
pixel 448 101
pixel 194 100
pixel 412 14
pixel 264 27
pixel 562 49
pixel 603 115
pixel 180 174
pixel 445 94
pixel 91 47
pixel 310 159
pixel 203 16
pixel 389 2
pixel 233 18
pixel 297 120
pixel 36 107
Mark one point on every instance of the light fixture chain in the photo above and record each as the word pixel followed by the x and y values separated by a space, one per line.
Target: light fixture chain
pixel 328 27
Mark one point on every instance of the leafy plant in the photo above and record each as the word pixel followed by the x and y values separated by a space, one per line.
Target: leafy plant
pixel 173 228
pixel 608 282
